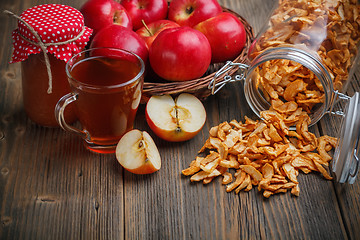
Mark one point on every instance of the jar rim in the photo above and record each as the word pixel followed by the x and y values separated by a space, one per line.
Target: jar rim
pixel 296 54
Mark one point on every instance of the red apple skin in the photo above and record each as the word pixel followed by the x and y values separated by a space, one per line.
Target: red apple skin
pixel 155 28
pixel 116 36
pixel 250 52
pixel 232 36
pixel 180 54
pixel 99 14
pixel 147 10
pixel 191 12
pixel 147 168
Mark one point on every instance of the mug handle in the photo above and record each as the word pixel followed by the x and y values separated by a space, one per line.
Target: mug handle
pixel 59 114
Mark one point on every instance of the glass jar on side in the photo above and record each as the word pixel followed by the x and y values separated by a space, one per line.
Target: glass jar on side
pixel 302 63
pixel 306 57
pixel 307 51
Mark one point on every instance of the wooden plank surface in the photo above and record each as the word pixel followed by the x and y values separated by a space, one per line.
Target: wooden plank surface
pixel 52 188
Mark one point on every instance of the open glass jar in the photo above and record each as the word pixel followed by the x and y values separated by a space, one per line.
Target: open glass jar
pixel 304 58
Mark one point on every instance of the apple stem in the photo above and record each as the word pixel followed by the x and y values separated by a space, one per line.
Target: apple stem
pixel 146 27
pixel 177 116
pixel 175 112
pixel 178 129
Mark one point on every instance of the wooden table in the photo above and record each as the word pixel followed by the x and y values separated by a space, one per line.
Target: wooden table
pixel 51 187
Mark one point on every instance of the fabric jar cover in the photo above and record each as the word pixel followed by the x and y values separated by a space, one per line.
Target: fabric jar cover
pixel 54 23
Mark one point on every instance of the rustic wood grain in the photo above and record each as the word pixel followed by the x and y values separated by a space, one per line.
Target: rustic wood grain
pixel 347 195
pixel 51 187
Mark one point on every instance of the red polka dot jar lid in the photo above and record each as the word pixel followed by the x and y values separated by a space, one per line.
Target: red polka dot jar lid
pixel 60 27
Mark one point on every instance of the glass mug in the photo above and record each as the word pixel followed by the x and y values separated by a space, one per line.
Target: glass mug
pixel 106 86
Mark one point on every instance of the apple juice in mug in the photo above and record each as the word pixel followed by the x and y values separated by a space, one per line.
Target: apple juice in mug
pixel 106 88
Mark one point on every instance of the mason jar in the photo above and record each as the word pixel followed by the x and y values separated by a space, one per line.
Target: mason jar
pixel 47 37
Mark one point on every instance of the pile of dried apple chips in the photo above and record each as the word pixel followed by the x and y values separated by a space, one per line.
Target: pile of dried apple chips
pixel 266 153
pixel 263 153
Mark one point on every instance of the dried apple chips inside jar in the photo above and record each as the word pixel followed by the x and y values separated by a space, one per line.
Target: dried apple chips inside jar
pixel 266 153
pixel 329 29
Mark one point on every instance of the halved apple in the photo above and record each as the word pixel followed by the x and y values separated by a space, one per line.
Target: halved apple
pixel 175 120
pixel 137 153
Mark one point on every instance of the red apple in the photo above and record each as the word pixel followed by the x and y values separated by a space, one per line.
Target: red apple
pixel 151 31
pixel 175 120
pixel 180 54
pixel 137 153
pixel 251 51
pixel 146 10
pixel 117 36
pixel 191 12
pixel 232 36
pixel 99 14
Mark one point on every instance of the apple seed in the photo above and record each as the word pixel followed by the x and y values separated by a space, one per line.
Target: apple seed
pixel 189 10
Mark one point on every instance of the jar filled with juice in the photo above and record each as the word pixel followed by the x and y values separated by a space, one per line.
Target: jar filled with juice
pixel 46 38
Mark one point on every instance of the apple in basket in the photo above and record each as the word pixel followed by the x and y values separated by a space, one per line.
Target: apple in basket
pixel 191 12
pixel 99 14
pixel 232 36
pixel 175 120
pixel 150 31
pixel 145 10
pixel 137 153
pixel 180 54
pixel 117 36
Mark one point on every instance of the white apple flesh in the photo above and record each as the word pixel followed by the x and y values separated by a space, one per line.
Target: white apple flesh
pixel 175 120
pixel 137 153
